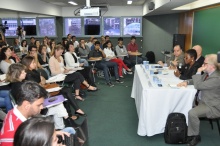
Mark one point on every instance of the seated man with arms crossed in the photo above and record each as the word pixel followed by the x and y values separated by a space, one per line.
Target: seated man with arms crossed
pixel 208 86
pixel 29 104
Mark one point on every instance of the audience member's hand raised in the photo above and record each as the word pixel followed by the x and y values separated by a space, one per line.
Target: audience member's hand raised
pixel 182 84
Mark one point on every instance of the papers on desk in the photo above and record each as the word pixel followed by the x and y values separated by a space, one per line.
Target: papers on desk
pixel 2 77
pixel 70 72
pixel 44 65
pixel 54 89
pixel 57 78
pixel 175 86
pixel 4 83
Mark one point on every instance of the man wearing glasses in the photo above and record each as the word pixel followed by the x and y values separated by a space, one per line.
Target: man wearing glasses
pixel 208 86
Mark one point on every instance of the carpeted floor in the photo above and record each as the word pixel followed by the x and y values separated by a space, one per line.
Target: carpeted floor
pixel 112 119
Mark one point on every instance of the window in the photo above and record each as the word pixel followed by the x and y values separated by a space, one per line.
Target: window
pixel 29 25
pixel 72 26
pixel 112 26
pixel 9 26
pixel 47 27
pixel 92 26
pixel 132 26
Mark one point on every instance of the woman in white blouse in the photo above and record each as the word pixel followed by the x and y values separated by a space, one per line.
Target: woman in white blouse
pixel 110 56
pixel 5 59
pixel 72 61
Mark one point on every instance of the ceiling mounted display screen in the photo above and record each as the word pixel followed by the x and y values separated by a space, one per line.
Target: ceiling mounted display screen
pixel 132 26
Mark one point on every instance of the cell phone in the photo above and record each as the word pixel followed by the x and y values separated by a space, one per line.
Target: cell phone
pixel 160 85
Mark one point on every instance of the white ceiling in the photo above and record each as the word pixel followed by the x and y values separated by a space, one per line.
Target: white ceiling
pixel 95 2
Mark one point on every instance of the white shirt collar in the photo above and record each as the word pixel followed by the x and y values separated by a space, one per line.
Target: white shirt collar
pixel 19 114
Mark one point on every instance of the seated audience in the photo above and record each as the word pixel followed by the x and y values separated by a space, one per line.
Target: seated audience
pixel 52 47
pixel 32 41
pixel 93 45
pixel 176 58
pixel 110 56
pixel 200 59
pixel 43 55
pixel 16 45
pixel 5 59
pixel 83 49
pixel 33 75
pixel 132 49
pixel 75 42
pixel 186 71
pixel 122 53
pixel 99 54
pixel 57 67
pixel 72 62
pixel 24 47
pixel 208 86
pixel 30 102
pixel 89 43
pixel 14 56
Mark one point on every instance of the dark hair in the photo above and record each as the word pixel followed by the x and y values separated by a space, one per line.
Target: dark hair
pixel 32 38
pixel 14 72
pixel 30 47
pixel 37 131
pixel 35 43
pixel 94 39
pixel 23 42
pixel 120 39
pixel 3 55
pixel 30 91
pixel 133 37
pixel 97 42
pixel 68 45
pixel 106 36
pixel 192 53
pixel 73 36
pixel 41 47
pixel 26 61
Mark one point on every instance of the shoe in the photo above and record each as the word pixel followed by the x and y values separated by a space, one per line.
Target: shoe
pixel 119 81
pixel 79 98
pixel 129 72
pixel 124 71
pixel 110 84
pixel 194 141
pixel 84 115
pixel 121 77
pixel 89 90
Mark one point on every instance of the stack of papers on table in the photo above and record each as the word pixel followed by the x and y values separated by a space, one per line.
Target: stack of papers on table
pixel 2 77
pixel 57 78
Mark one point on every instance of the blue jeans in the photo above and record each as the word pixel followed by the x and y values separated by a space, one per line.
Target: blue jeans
pixel 5 101
pixel 104 65
pixel 81 60
pixel 69 130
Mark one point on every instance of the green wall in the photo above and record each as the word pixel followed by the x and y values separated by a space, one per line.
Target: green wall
pixel 206 30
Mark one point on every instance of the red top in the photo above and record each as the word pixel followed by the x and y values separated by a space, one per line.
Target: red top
pixel 132 47
pixel 12 120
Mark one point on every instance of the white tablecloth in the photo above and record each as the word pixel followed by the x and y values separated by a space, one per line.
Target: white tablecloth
pixel 154 103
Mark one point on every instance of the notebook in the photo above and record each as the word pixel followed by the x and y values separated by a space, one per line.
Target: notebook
pixel 52 101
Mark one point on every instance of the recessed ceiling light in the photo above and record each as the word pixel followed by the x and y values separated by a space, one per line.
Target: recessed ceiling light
pixel 129 2
pixel 72 3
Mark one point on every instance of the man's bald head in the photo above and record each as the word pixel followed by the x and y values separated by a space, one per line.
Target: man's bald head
pixel 198 49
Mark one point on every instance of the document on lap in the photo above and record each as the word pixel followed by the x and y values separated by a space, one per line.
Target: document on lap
pixel 54 89
pixel 57 78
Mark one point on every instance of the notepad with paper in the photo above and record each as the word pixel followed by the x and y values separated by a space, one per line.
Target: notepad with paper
pixel 175 86
pixel 57 78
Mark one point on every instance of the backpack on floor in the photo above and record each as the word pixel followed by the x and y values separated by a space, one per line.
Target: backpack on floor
pixel 175 129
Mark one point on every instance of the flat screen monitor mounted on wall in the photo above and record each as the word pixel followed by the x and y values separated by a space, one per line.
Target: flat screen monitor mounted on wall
pixel 92 26
pixel 132 26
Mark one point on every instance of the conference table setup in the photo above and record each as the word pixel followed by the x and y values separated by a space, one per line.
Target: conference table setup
pixel 156 96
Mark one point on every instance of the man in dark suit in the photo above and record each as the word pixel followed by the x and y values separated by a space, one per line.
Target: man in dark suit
pixel 200 59
pixel 208 85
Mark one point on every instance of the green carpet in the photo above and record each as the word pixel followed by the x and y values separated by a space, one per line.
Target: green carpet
pixel 113 120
